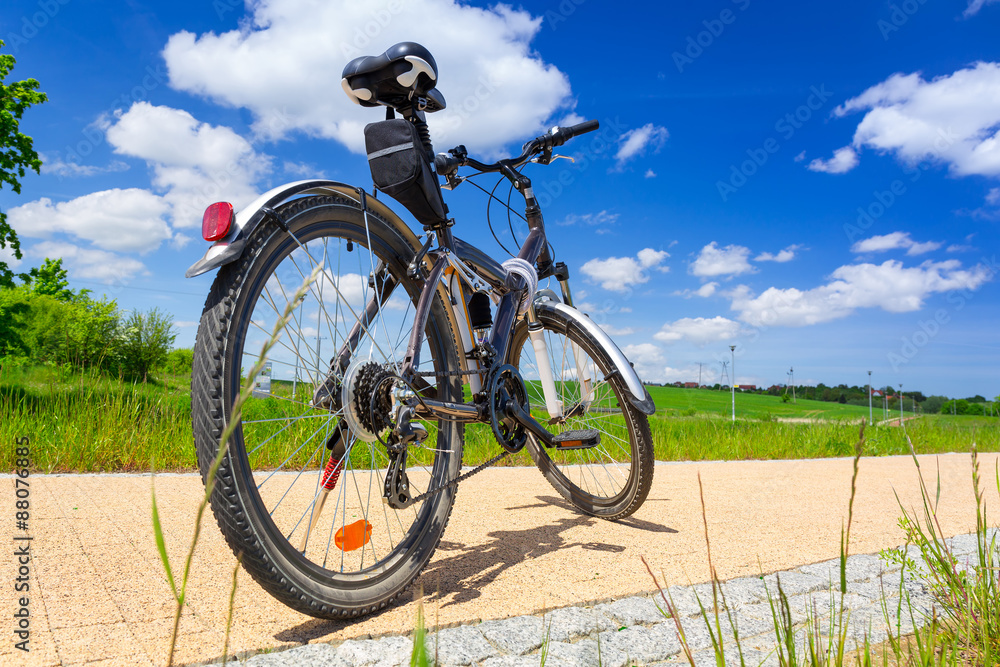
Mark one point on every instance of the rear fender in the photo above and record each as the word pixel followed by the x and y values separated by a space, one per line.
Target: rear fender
pixel 230 247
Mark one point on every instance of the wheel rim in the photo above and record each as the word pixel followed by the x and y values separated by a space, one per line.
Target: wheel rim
pixel 281 442
pixel 600 476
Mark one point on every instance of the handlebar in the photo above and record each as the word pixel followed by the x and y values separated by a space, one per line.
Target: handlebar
pixel 448 163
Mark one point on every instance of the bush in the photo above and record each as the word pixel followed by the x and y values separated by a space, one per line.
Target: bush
pixel 179 362
pixel 143 343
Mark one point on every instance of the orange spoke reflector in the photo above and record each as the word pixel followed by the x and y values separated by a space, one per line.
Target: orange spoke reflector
pixel 353 536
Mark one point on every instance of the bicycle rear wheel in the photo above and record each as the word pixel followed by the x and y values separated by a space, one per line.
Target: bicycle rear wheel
pixel 326 549
pixel 610 480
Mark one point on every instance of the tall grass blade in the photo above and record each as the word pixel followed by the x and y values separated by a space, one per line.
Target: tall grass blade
pixel 235 415
pixel 161 545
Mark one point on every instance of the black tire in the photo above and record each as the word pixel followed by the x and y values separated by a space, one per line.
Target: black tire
pixel 256 525
pixel 612 480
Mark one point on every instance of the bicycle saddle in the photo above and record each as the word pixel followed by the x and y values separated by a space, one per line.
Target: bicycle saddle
pixel 396 78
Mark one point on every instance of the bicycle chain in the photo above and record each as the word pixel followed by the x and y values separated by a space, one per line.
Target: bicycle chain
pixel 454 482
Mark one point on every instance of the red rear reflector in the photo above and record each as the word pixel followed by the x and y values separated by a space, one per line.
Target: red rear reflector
pixel 353 536
pixel 217 220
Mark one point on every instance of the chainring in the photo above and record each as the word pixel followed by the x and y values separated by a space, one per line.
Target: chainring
pixel 506 384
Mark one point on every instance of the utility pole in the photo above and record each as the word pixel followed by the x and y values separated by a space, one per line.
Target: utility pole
pixel 732 385
pixel 791 381
pixel 699 375
pixel 900 403
pixel 871 417
pixel 725 374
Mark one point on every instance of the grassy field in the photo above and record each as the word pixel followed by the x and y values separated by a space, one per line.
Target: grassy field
pixel 673 400
pixel 85 423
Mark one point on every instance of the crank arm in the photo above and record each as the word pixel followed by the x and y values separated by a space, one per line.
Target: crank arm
pixel 575 439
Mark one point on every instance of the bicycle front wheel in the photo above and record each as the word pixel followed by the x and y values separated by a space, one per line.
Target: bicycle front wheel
pixel 610 480
pixel 299 492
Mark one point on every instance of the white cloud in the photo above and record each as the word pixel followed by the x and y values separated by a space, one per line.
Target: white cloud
pixel 602 218
pixel 993 196
pixel 71 169
pixel 705 291
pixel 889 286
pixel 8 258
pixel 89 263
pixel 975 6
pixel 619 273
pixel 699 330
pixel 497 87
pixel 951 119
pixel 716 261
pixel 124 220
pixel 784 255
pixel 843 160
pixel 647 358
pixel 800 157
pixel 193 163
pixel 894 241
pixel 650 173
pixel 634 142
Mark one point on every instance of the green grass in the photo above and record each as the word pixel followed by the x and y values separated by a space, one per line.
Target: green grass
pixel 710 403
pixel 85 423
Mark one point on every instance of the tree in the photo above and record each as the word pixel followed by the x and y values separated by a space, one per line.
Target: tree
pixel 144 342
pixel 50 279
pixel 17 151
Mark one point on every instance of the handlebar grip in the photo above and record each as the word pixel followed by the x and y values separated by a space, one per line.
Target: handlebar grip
pixel 566 133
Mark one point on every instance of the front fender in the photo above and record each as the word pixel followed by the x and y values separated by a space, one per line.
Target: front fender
pixel 230 247
pixel 639 397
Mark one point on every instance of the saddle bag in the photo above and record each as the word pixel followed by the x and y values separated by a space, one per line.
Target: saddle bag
pixel 401 168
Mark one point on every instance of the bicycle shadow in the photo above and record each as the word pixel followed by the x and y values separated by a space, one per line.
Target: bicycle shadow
pixel 465 570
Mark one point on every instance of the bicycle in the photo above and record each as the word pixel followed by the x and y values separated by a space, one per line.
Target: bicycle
pixel 413 329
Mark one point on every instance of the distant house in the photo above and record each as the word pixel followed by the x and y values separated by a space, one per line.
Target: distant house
pixel 747 387
pixel 678 384
pixel 876 392
pixel 690 385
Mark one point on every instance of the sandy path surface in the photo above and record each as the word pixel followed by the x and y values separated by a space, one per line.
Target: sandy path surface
pixel 98 591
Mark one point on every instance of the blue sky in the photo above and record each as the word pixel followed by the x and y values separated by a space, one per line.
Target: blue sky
pixel 817 184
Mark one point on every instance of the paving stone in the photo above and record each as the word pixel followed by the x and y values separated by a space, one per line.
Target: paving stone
pixel 571 622
pixel 385 652
pixel 634 610
pixel 514 661
pixel 793 583
pixel 517 635
pixel 859 568
pixel 743 591
pixel 582 654
pixel 963 544
pixel 464 645
pixel 311 655
pixel 641 644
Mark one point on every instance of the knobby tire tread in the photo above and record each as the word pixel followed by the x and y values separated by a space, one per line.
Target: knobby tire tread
pixel 209 422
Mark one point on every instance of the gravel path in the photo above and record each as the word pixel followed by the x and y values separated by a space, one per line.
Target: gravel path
pixel 635 631
pixel 513 549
